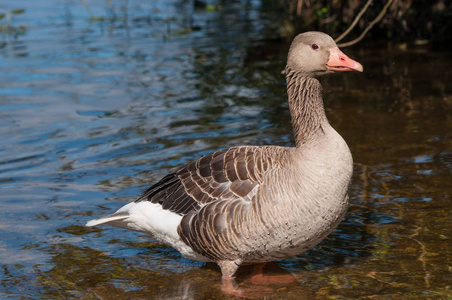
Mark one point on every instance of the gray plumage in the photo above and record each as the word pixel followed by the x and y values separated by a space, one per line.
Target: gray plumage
pixel 255 204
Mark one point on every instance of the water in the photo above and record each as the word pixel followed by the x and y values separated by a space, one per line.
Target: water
pixel 97 102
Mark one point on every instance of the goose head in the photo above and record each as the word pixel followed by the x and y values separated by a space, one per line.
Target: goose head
pixel 315 53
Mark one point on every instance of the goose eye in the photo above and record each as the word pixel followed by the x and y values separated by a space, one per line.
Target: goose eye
pixel 315 46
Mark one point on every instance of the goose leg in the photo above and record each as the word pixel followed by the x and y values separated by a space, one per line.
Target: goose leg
pixel 259 282
pixel 230 286
pixel 258 277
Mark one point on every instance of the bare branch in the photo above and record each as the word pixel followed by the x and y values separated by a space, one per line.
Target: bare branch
pixel 300 6
pixel 363 10
pixel 369 27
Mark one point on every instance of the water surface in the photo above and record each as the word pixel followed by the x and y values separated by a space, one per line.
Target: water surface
pixel 98 102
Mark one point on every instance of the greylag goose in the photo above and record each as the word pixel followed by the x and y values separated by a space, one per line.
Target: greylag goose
pixel 256 204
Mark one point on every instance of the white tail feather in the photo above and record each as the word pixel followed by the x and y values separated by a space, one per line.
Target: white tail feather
pixel 107 219
pixel 152 219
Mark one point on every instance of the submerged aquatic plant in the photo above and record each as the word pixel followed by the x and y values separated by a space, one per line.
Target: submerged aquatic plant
pixel 8 29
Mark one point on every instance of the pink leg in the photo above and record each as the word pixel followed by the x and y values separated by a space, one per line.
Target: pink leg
pixel 258 277
pixel 229 286
pixel 259 284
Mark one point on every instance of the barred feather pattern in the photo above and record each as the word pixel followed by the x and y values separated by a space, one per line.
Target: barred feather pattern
pixel 306 105
pixel 227 187
pixel 229 174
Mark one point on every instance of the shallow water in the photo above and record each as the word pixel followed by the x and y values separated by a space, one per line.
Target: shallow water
pixel 98 102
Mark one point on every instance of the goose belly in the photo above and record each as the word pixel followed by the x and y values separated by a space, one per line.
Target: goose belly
pixel 296 236
pixel 306 205
pixel 279 240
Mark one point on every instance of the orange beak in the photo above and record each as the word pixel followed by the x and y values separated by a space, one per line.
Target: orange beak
pixel 339 62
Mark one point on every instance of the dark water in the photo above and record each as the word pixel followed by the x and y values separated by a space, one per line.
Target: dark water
pixel 99 101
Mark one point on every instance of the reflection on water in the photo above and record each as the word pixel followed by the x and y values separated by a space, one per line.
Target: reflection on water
pixel 98 102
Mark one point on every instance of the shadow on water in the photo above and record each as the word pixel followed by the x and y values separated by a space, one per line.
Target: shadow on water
pixel 119 95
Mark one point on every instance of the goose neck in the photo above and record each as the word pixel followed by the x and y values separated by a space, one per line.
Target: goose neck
pixel 306 106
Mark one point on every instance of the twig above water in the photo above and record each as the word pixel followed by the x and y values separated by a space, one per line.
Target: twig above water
pixel 369 27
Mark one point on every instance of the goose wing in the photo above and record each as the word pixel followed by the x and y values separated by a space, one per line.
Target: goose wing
pixel 229 174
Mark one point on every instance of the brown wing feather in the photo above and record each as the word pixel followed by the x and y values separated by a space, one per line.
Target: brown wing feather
pixel 223 175
pixel 218 230
pixel 171 194
pixel 215 194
